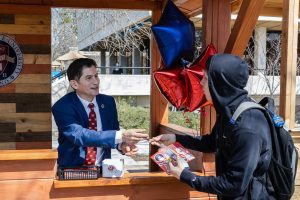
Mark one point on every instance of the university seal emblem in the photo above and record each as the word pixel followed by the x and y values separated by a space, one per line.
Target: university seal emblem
pixel 11 60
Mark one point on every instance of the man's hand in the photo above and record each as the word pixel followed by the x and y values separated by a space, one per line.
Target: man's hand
pixel 164 139
pixel 128 150
pixel 133 136
pixel 177 170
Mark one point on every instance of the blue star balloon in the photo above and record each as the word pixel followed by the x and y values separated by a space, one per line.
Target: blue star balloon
pixel 174 35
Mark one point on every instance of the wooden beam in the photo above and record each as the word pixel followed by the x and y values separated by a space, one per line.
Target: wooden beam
pixel 23 1
pixel 274 12
pixel 179 2
pixel 266 11
pixel 207 22
pixel 235 6
pixel 158 104
pixel 289 61
pixel 25 9
pixel 274 3
pixel 176 129
pixel 44 7
pixel 115 4
pixel 191 8
pixel 195 12
pixel 243 27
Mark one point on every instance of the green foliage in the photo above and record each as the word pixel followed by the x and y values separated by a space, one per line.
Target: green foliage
pixel 139 117
pixel 67 19
pixel 182 119
pixel 132 117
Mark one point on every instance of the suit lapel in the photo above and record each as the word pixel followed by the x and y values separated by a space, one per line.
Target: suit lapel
pixel 81 110
pixel 101 106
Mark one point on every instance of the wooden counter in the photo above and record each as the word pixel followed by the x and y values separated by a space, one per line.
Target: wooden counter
pixel 30 174
pixel 140 178
pixel 133 186
pixel 35 154
pixel 27 164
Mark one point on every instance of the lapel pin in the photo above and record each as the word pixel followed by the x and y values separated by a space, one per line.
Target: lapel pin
pixel 102 105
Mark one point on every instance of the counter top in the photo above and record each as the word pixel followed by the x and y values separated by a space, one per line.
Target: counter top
pixel 128 179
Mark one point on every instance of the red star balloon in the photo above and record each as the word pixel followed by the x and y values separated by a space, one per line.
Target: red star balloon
pixel 181 86
pixel 193 76
pixel 171 84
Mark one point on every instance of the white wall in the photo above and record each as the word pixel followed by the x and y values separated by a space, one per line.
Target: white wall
pixel 139 86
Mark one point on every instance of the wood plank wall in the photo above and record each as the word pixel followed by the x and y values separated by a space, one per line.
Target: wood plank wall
pixel 25 104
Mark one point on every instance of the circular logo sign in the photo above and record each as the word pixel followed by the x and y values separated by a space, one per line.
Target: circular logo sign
pixel 11 60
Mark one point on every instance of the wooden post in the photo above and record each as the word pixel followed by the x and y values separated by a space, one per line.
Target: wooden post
pixel 216 30
pixel 216 23
pixel 289 61
pixel 158 104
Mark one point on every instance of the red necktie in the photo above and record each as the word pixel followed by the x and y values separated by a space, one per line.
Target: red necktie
pixel 91 151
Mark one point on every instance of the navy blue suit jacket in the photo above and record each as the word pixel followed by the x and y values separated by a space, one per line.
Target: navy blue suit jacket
pixel 74 135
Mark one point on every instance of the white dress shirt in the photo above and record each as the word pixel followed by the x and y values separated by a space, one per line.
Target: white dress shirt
pixel 118 138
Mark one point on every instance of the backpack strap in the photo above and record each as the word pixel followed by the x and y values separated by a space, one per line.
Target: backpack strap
pixel 243 107
pixel 269 103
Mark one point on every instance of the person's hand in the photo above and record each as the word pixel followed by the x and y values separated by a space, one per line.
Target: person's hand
pixel 132 136
pixel 165 139
pixel 180 165
pixel 128 150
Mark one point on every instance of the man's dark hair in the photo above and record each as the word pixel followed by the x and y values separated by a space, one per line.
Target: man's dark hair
pixel 74 71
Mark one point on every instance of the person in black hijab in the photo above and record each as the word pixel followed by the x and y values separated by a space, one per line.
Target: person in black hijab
pixel 242 150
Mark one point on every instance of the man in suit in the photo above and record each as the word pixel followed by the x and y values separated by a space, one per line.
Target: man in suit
pixel 87 121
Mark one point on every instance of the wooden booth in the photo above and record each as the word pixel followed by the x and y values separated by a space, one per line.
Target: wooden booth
pixel 27 161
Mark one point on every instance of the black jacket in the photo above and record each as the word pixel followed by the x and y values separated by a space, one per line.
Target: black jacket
pixel 243 150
